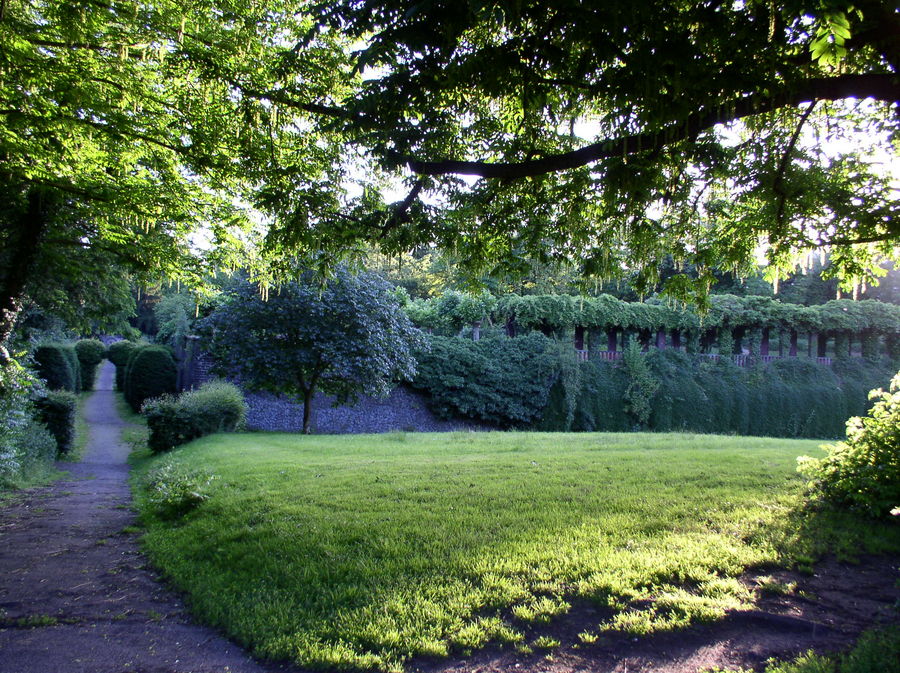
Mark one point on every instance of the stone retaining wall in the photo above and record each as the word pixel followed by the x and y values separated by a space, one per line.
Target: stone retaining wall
pixel 403 410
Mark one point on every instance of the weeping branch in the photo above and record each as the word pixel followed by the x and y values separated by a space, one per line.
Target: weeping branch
pixel 778 184
pixel 883 87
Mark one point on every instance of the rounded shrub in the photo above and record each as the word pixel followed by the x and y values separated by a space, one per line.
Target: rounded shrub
pixel 90 354
pixel 151 373
pixel 54 363
pixel 216 407
pixel 57 411
pixel 118 353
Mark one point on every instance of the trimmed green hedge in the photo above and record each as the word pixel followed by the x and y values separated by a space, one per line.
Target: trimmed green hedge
pixel 58 365
pixel 57 410
pixel 530 381
pixel 119 353
pixel 151 372
pixel 90 354
pixel 216 406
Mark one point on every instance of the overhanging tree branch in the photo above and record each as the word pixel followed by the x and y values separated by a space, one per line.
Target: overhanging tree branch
pixel 885 87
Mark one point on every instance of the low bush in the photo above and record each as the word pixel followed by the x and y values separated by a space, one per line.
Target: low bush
pixel 119 353
pixel 58 365
pixel 90 354
pixel 173 491
pixel 216 407
pixel 863 472
pixel 151 372
pixel 57 410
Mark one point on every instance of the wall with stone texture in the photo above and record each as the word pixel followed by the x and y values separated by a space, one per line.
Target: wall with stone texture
pixel 404 410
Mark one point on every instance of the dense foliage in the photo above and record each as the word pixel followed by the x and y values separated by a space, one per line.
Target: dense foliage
pixel 57 411
pixel 863 472
pixel 27 448
pixel 346 338
pixel 217 406
pixel 526 382
pixel 497 380
pixel 150 372
pixel 119 353
pixel 601 138
pixel 90 354
pixel 59 366
pixel 562 311
pixel 174 314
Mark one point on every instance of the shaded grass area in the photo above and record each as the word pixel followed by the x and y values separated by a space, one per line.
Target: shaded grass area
pixel 366 551
pixel 876 651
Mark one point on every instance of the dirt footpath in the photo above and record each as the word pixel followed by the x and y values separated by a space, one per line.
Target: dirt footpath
pixel 75 592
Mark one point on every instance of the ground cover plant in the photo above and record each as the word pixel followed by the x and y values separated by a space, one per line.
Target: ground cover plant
pixel 367 551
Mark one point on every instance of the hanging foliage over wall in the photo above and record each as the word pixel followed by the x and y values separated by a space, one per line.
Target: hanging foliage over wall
pixel 552 313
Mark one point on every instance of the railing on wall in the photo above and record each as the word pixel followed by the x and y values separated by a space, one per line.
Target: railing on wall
pixel 741 360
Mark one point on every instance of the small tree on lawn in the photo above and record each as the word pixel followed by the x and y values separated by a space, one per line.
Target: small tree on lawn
pixel 347 338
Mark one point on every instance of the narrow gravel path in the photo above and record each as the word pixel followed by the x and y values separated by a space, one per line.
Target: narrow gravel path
pixel 76 594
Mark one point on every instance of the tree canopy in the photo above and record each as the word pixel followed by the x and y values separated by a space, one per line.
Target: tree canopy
pixel 613 133
pixel 347 338
pixel 607 135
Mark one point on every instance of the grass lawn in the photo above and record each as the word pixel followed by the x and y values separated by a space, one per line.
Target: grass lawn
pixel 365 551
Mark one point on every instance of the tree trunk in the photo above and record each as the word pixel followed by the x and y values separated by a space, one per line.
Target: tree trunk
pixel 24 243
pixel 476 330
pixel 307 409
pixel 764 342
pixel 793 348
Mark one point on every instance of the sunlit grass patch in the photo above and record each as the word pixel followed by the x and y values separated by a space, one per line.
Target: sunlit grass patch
pixel 367 551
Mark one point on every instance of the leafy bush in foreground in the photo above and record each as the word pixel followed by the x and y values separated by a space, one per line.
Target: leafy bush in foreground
pixel 863 471
pixel 216 407
pixel 57 410
pixel 90 353
pixel 27 449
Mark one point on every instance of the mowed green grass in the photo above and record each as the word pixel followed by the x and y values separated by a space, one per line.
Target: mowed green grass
pixel 366 551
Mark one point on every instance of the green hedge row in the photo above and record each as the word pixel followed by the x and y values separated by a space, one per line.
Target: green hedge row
pixel 149 372
pixel 787 398
pixel 57 410
pixel 59 366
pixel 118 353
pixel 532 382
pixel 216 406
